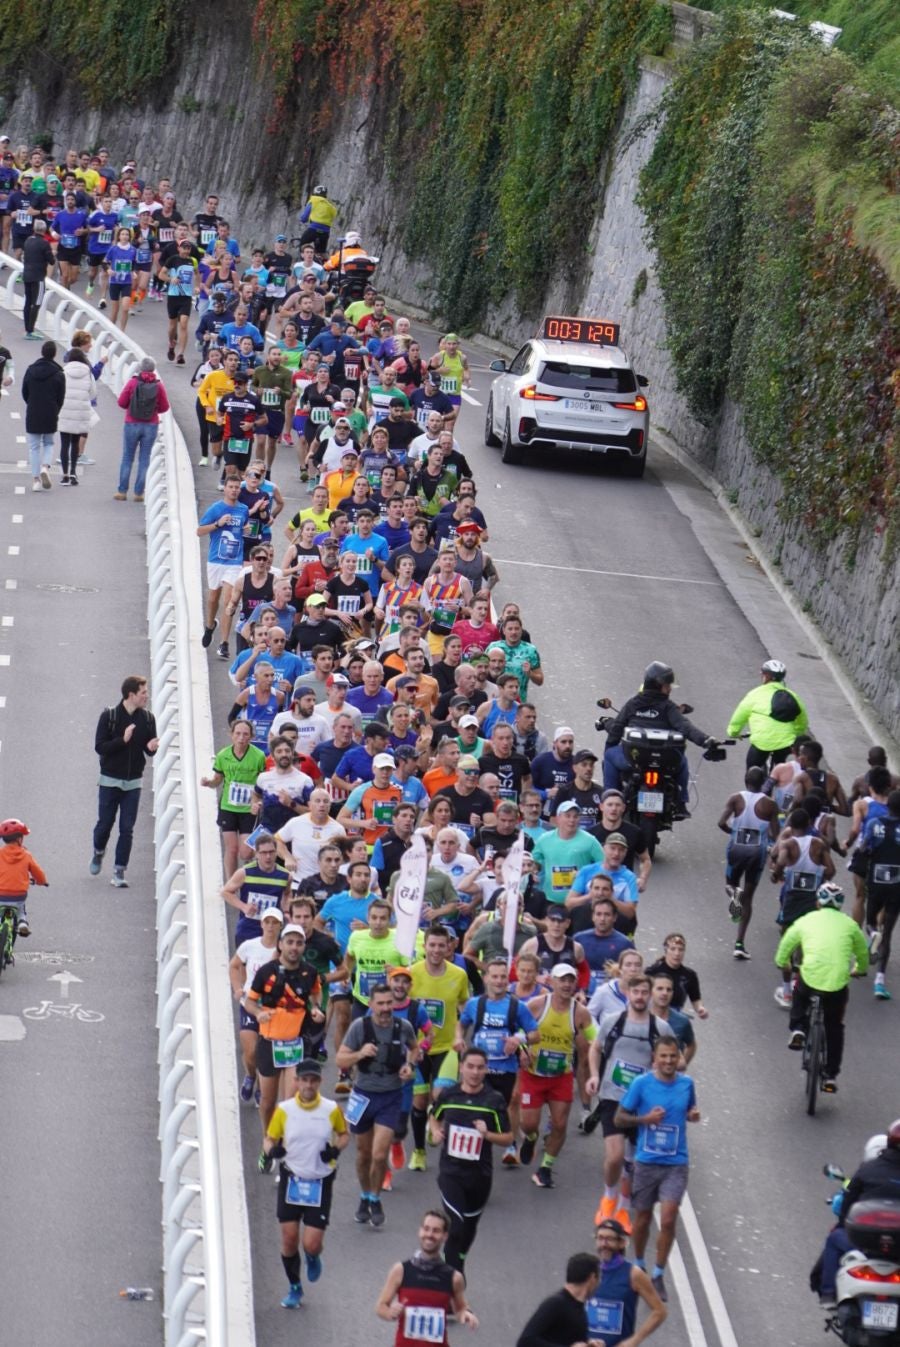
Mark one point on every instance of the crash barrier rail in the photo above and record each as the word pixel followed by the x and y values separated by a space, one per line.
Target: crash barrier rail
pixel 207 1283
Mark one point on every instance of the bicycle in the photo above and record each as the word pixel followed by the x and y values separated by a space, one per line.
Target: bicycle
pixel 813 1060
pixel 9 926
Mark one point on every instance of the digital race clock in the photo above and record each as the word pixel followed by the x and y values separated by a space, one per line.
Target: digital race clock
pixel 588 331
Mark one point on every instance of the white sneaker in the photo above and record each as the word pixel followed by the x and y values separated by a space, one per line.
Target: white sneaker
pixel 45 478
pixel 36 484
pixel 783 996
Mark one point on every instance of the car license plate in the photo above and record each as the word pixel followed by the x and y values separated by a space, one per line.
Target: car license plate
pixel 581 405
pixel 879 1314
pixel 650 801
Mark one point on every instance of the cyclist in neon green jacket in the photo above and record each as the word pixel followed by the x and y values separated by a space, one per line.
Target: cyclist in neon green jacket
pixel 829 940
pixel 777 717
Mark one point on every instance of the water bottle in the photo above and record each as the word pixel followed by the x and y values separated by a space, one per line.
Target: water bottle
pixel 137 1293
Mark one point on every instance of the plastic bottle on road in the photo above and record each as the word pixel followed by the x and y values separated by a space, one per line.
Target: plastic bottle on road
pixel 137 1293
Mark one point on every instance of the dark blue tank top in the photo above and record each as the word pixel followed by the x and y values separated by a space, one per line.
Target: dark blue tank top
pixel 611 1310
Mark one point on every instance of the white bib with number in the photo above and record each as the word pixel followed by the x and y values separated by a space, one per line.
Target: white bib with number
pixel 464 1143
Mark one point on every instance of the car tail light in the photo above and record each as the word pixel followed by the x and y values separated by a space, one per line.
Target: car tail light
pixel 865 1273
pixel 639 405
pixel 651 778
pixel 532 395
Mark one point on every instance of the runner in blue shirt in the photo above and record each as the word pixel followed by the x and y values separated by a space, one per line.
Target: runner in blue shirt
pixel 342 909
pixel 225 524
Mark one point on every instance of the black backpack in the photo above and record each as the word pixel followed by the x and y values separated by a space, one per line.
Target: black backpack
pixel 512 1014
pixel 396 1053
pixel 142 403
pixel 784 706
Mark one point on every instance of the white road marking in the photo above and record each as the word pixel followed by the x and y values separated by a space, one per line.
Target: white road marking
pixel 19 490
pixel 17 518
pixel 707 1274
pixel 20 439
pixel 686 1298
pixel 12 584
pixel 12 1030
pixel 2 703
pixel 621 575
pixel 7 622
pixel 64 978
pixel 13 550
pixel 21 462
pixel 15 416
pixel 4 660
pixel 469 398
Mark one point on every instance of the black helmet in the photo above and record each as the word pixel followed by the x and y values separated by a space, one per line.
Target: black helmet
pixel 656 674
pixel 893 1136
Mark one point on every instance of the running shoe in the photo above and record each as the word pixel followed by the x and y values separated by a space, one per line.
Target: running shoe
pixel 874 942
pixel 829 1085
pixel 739 952
pixel 881 992
pixel 118 880
pixel 376 1213
pixel 23 928
pixel 735 906
pixel 659 1287
pixel 202 462
pixel 797 1040
pixel 138 495
pixel 543 1177
pixel 344 1084
pixel 293 1298
pixel 526 1150
pixel 387 1183
pixel 623 1216
pixel 398 1155
pixel 418 1161
pixel 96 863
pixel 247 1089
pixel 85 462
pixel 73 480
pixel 313 1266
pixel 363 1215
pixel 102 304
pixel 207 631
pixel 180 360
pixel 783 996
pixel 510 1158
pixel 223 652
pixel 170 354
pixel 36 484
pixel 89 290
pixel 606 1211
pixel 45 478
pixel 120 495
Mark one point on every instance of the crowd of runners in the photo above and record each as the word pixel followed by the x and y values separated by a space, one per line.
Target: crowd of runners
pixel 381 702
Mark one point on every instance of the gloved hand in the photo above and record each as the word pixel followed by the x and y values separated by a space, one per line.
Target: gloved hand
pixel 328 1154
pixel 264 1163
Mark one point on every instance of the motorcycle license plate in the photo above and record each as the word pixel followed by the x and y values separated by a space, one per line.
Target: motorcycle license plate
pixel 650 801
pixel 879 1314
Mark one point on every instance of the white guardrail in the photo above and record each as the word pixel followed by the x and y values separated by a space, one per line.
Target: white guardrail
pixel 207 1289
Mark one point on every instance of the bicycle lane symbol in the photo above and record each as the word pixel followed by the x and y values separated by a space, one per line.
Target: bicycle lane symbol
pixel 70 1010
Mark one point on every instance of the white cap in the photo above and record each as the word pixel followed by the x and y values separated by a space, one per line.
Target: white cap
pixel 275 912
pixel 468 720
pixel 293 927
pixel 383 760
pixel 563 970
pixel 561 730
pixel 566 806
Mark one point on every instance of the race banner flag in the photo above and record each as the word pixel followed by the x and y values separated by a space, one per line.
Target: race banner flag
pixel 409 894
pixel 511 874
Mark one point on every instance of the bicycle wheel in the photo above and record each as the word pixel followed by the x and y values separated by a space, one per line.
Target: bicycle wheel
pixel 5 942
pixel 816 1060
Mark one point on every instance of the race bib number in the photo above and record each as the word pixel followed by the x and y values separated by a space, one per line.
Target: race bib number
pixel 464 1143
pixel 426 1324
pixel 262 902
pixel 623 1073
pixel 235 445
pixel 422 415
pixel 661 1139
pixel 239 794
pixel 68 240
pixel 368 979
pixel 804 883
pixel 231 547
pixel 207 236
pixel 351 369
pixel 303 1192
pixel 550 1063
pixel 491 1041
pixel 166 235
pixel 384 811
pixel 320 416
pixel 355 1107
pixel 122 269
pixel 23 218
pixel 286 1052
pixel 748 837
pixel 434 1009
pixel 886 874
pixel 605 1317
pixel 348 603
pixel 271 397
pixel 562 876
pixel 105 236
pixel 275 289
pixel 449 385
pixel 443 616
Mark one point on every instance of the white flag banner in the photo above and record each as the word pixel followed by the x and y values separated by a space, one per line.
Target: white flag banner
pixel 409 894
pixel 511 874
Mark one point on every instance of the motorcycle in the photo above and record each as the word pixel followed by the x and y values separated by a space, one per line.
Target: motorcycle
pixel 651 789
pixel 867 1310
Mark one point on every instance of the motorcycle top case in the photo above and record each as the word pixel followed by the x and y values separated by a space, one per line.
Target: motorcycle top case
pixel 641 744
pixel 873 1227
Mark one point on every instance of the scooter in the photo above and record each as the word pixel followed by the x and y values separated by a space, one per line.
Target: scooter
pixel 867 1313
pixel 651 790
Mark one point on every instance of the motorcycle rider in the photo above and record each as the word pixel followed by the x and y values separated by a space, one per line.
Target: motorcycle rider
pixel 776 715
pixel 878 1177
pixel 654 709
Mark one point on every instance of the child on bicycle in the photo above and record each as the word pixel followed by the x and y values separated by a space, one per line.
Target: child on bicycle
pixel 18 869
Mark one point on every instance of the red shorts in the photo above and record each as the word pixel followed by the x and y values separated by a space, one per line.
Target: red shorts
pixel 538 1090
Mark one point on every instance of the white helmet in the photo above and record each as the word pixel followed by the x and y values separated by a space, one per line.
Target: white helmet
pixel 352 238
pixel 319 191
pixel 874 1146
pixel 775 668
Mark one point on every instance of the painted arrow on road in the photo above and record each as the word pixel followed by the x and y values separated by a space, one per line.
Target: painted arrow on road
pixel 65 978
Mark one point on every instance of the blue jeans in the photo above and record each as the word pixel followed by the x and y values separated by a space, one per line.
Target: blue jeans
pixel 40 451
pixel 615 763
pixel 114 800
pixel 137 437
pixel 836 1245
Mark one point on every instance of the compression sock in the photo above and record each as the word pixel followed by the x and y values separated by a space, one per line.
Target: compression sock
pixel 419 1127
pixel 547 1160
pixel 624 1202
pixel 612 1193
pixel 641 1263
pixel 657 1271
pixel 291 1264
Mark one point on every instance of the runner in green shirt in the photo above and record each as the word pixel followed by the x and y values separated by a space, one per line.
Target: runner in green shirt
pixel 235 769
pixel 370 953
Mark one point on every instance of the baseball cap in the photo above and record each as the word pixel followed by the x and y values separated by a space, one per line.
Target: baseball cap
pixel 383 760
pixel 309 1067
pixel 561 730
pixel 274 912
pixel 460 700
pixel 315 601
pixel 407 681
pixel 467 763
pixel 293 929
pixel 465 721
pixel 556 912
pixel 611 794
pixel 468 526
pixel 302 689
pixel 398 971
pixel 618 838
pixel 585 755
pixel 281 238
pixel 364 643
pixel 349 451
pixel 342 421
pixel 337 680
pixel 563 970
pixel 566 806
pixel 240 376
pixel 337 321
pixel 614 1226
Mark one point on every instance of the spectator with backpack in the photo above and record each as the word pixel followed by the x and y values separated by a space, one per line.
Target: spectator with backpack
pixel 777 717
pixel 125 738
pixel 143 399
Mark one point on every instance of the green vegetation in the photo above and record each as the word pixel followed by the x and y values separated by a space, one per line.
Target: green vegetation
pixel 771 203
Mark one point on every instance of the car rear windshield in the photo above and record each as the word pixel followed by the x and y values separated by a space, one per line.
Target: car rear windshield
pixel 595 378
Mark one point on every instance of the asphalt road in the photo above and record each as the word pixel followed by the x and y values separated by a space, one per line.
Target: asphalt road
pixel 610 573
pixel 80 1195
